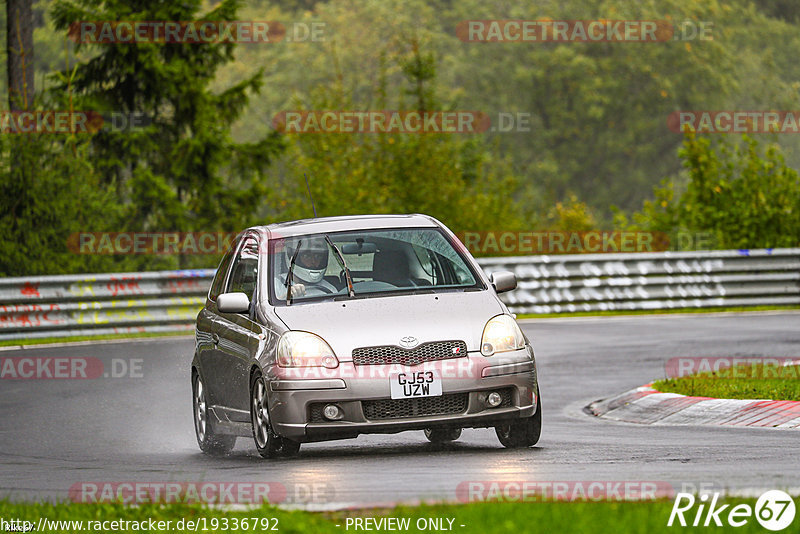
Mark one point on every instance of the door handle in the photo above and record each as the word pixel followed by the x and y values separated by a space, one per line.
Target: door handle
pixel 215 338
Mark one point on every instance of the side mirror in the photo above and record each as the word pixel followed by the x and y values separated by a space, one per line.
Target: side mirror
pixel 233 303
pixel 503 281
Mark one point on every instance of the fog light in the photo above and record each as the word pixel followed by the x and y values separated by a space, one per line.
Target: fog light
pixel 332 412
pixel 487 349
pixel 494 399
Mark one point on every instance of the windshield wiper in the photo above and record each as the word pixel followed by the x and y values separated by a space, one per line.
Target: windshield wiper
pixel 290 276
pixel 392 293
pixel 343 265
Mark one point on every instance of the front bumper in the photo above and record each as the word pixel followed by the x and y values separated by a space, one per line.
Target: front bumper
pixel 363 395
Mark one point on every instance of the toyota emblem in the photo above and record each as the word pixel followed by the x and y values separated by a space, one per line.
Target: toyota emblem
pixel 409 342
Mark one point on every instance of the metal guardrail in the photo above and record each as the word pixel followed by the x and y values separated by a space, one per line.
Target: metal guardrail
pixel 651 281
pixel 72 305
pixel 99 304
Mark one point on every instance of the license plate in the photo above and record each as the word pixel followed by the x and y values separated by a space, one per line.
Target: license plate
pixel 415 384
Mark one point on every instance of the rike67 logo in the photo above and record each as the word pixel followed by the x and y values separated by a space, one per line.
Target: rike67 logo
pixel 774 510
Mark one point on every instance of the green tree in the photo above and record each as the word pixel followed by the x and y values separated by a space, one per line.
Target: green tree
pixel 742 198
pixel 597 110
pixel 572 216
pixel 48 195
pixel 451 176
pixel 182 171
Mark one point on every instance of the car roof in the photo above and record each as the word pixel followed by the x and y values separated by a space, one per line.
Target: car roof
pixel 348 222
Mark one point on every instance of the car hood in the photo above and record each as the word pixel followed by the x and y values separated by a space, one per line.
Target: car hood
pixel 369 322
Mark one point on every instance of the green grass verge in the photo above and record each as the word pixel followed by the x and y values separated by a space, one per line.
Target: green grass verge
pixel 46 340
pixel 657 312
pixel 756 381
pixel 513 518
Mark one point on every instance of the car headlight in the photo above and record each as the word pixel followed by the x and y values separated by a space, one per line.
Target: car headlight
pixel 303 349
pixel 501 334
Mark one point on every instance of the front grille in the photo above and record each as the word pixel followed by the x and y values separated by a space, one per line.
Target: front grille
pixel 390 354
pixel 419 407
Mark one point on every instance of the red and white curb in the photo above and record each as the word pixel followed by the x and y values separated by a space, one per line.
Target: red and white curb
pixel 646 405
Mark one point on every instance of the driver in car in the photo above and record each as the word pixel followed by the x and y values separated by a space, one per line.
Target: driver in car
pixel 308 272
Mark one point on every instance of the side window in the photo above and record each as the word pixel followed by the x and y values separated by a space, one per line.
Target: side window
pixel 222 270
pixel 244 272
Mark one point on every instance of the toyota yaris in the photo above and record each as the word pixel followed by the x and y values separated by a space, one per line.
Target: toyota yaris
pixel 329 328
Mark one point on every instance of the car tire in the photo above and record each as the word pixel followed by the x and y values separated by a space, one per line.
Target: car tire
pixel 522 433
pixel 442 435
pixel 268 443
pixel 210 442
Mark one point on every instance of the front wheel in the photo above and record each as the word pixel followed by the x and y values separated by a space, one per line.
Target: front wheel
pixel 522 433
pixel 268 443
pixel 210 442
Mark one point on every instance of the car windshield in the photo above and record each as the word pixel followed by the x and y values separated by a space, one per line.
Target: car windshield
pixel 380 262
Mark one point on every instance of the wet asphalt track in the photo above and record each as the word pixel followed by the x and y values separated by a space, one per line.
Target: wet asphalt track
pixel 55 433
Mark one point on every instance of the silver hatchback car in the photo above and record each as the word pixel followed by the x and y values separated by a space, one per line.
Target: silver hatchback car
pixel 329 328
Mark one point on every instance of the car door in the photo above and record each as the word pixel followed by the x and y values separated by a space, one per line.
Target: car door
pixel 208 327
pixel 239 334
